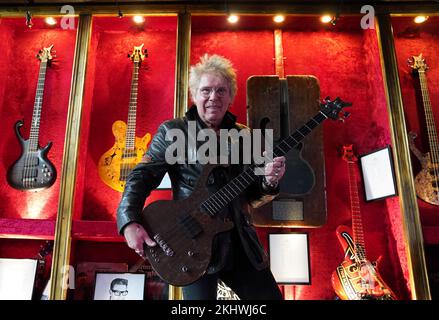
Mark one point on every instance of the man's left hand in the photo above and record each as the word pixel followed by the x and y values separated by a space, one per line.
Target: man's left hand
pixel 274 171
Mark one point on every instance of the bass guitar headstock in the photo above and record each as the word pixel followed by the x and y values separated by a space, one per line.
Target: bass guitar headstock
pixel 138 54
pixel 46 54
pixel 347 153
pixel 417 63
pixel 334 109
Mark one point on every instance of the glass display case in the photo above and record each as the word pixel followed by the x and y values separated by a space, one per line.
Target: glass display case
pixel 111 75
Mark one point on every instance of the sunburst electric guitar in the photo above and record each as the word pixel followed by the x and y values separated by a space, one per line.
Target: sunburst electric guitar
pixel 115 164
pixel 356 278
pixel 33 170
pixel 427 180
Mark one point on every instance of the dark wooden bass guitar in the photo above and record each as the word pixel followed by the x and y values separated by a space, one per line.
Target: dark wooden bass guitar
pixel 32 170
pixel 184 229
pixel 357 278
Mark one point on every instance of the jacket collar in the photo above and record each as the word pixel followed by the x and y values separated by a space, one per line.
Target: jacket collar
pixel 229 119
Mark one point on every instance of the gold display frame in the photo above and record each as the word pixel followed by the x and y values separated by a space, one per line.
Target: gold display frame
pixel 404 175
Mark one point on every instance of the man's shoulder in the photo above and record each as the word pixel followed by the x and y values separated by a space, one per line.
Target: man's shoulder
pixel 173 123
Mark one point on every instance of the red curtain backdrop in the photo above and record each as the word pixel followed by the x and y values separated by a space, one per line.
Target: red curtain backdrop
pixel 107 95
pixel 18 81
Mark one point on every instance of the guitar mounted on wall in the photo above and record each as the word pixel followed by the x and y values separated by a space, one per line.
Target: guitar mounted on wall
pixel 427 180
pixel 184 229
pixel 44 258
pixel 280 103
pixel 115 164
pixel 32 170
pixel 356 278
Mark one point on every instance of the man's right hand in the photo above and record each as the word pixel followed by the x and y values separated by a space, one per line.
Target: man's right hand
pixel 136 236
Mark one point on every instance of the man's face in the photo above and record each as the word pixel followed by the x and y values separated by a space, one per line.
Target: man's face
pixel 118 292
pixel 212 99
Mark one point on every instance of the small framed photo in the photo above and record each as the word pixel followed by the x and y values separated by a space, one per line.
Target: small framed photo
pixel 289 257
pixel 119 286
pixel 378 174
pixel 17 278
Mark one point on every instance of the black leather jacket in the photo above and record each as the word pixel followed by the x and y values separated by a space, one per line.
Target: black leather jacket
pixel 147 175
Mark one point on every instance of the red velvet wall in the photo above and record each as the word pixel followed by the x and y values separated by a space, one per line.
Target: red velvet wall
pixel 410 40
pixel 345 59
pixel 108 85
pixel 19 74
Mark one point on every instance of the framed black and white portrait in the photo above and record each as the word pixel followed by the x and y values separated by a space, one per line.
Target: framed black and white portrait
pixel 378 174
pixel 119 286
pixel 17 278
pixel 289 257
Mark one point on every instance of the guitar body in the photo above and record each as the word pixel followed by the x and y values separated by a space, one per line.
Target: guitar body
pixel 280 105
pixel 184 235
pixel 426 185
pixel 352 281
pixel 115 164
pixel 33 170
pixel 426 181
pixel 298 171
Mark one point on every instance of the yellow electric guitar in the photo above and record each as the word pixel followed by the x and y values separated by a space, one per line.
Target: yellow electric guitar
pixel 115 164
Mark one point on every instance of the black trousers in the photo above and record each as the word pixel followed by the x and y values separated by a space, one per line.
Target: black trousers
pixel 240 275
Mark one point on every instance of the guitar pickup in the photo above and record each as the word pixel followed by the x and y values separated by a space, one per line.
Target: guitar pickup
pixel 163 245
pixel 191 226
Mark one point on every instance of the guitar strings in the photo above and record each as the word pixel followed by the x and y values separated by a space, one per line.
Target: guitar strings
pixel 431 128
pixel 173 234
pixel 30 158
pixel 126 168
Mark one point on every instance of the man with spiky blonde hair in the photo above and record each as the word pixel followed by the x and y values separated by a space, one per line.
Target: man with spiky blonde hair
pixel 238 258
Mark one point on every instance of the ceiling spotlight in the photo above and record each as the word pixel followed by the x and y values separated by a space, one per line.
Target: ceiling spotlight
pixel 279 18
pixel 233 18
pixel 420 19
pixel 138 19
pixel 326 18
pixel 50 21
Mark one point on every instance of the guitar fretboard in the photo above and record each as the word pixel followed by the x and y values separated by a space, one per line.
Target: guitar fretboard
pixel 36 116
pixel 429 118
pixel 357 225
pixel 237 185
pixel 131 123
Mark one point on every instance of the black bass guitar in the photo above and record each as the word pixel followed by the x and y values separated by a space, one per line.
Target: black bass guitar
pixel 33 171
pixel 184 229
